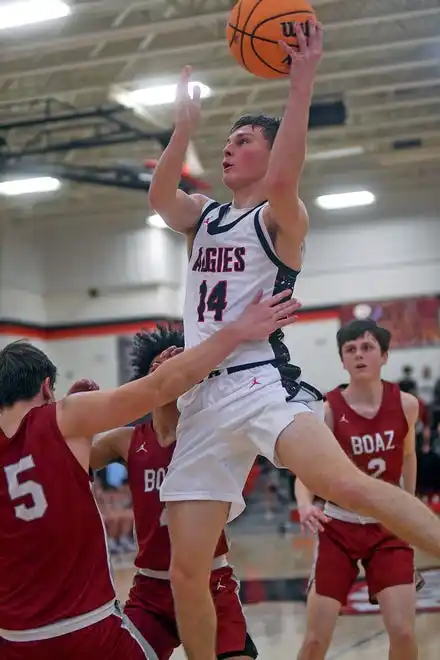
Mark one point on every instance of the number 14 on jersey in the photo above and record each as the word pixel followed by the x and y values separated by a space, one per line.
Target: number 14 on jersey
pixel 213 300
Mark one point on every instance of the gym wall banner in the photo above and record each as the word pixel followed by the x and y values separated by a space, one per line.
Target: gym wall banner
pixel 413 322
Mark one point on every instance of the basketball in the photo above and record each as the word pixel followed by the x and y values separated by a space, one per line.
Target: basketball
pixel 254 28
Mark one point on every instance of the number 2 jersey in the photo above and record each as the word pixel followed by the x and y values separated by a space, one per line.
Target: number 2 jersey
pixel 232 258
pixel 147 465
pixel 375 445
pixel 54 564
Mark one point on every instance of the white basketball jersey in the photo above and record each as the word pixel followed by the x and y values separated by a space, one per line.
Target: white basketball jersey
pixel 231 259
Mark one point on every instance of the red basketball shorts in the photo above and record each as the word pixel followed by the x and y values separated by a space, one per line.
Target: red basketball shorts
pixel 150 607
pixel 387 560
pixel 108 639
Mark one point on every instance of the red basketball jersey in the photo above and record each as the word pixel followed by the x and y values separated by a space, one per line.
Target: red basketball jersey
pixel 53 556
pixel 147 465
pixel 375 445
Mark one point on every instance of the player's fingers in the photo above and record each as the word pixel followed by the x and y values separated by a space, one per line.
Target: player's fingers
pixel 311 526
pixel 197 94
pixel 284 310
pixel 287 320
pixel 258 296
pixel 185 74
pixel 275 300
pixel 317 524
pixel 83 385
pixel 166 352
pixel 318 38
pixel 301 38
pixel 177 351
pixel 285 46
pixel 287 307
pixel 182 85
pixel 322 517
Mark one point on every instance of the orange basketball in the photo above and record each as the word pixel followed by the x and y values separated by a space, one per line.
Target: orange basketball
pixel 254 28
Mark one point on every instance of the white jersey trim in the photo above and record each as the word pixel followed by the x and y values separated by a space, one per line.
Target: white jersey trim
pixel 207 204
pixel 336 512
pixel 218 562
pixel 59 628
pixel 262 225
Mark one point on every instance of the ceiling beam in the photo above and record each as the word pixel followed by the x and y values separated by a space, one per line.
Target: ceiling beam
pixel 144 55
pixel 344 74
pixel 189 23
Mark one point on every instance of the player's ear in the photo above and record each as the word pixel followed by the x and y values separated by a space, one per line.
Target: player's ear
pixel 384 358
pixel 47 390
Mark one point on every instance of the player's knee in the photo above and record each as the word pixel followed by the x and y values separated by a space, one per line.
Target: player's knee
pixel 314 647
pixel 402 634
pixel 187 575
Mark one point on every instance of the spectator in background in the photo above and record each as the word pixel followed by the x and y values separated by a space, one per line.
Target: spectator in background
pixel 428 463
pixel 436 396
pixel 116 473
pixel 114 501
pixel 407 383
pixel 435 443
pixel 435 406
pixel 426 389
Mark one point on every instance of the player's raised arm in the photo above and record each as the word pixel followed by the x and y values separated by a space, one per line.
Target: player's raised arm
pixel 86 414
pixel 109 447
pixel 285 211
pixel 179 210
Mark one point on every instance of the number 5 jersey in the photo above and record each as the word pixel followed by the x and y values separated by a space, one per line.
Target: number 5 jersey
pixel 54 564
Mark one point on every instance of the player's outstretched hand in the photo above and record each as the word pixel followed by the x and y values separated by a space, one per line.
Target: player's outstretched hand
pixel 262 317
pixel 188 104
pixel 170 352
pixel 305 57
pixel 312 518
pixel 83 385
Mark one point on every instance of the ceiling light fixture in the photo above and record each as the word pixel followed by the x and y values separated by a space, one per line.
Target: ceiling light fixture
pixel 345 200
pixel 27 186
pixel 161 94
pixel 331 154
pixel 17 14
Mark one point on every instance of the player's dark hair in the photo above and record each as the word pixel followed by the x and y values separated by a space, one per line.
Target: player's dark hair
pixel 357 328
pixel 148 345
pixel 23 370
pixel 269 125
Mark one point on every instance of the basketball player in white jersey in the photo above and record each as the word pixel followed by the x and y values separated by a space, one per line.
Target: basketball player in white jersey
pixel 254 403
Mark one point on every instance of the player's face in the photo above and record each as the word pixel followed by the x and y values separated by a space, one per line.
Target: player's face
pixel 245 157
pixel 362 358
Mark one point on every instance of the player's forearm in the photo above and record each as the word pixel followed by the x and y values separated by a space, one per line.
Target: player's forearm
pixel 410 473
pixel 182 372
pixel 290 146
pixel 102 452
pixel 304 497
pixel 168 171
pixel 89 413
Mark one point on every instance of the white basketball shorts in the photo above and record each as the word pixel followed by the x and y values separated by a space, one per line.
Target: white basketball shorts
pixel 225 422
